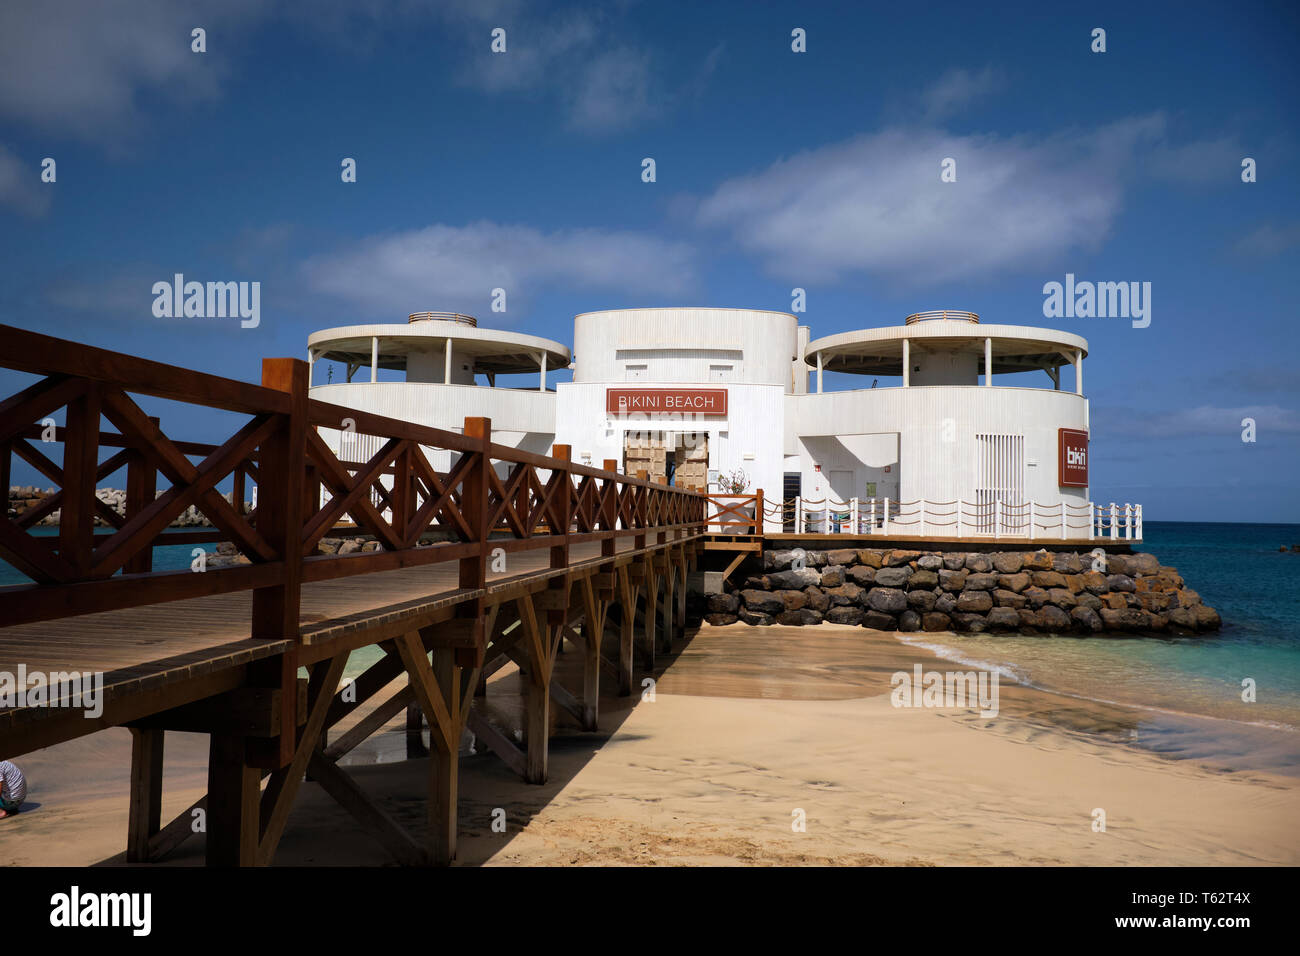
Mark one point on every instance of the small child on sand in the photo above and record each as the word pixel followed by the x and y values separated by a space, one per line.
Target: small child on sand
pixel 13 789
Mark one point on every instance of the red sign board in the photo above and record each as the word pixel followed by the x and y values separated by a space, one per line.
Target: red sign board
pixel 657 401
pixel 1073 458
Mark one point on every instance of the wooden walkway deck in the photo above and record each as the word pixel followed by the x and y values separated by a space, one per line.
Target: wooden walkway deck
pixel 532 550
pixel 187 650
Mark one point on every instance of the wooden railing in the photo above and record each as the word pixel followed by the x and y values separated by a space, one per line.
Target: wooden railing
pixel 735 514
pixel 492 499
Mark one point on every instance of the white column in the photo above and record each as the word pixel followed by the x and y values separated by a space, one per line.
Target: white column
pixel 311 364
pixel 446 363
pixel 819 373
pixel 907 362
pixel 374 358
pixel 1078 371
pixel 541 386
pixel 988 361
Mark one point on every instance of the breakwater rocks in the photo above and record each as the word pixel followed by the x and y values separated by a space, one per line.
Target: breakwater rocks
pixel 228 556
pixel 1025 592
pixel 24 498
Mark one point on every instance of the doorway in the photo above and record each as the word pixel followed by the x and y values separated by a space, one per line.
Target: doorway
pixel 677 458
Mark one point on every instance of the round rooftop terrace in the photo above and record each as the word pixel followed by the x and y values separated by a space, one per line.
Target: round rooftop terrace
pixel 1013 348
pixel 492 350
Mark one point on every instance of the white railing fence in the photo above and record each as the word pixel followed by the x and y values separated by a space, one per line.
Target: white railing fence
pixel 959 519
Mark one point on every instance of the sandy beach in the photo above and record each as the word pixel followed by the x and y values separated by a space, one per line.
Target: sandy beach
pixel 750 730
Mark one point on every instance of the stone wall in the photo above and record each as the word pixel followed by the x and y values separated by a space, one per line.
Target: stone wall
pixel 23 497
pixel 1025 592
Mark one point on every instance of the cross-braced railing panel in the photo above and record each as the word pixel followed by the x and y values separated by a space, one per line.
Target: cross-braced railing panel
pixel 421 494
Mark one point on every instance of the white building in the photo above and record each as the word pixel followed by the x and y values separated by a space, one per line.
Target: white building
pixel 695 395
pixel 444 356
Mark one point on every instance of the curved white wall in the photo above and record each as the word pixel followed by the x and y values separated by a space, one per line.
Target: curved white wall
pixel 936 428
pixel 695 346
pixel 520 418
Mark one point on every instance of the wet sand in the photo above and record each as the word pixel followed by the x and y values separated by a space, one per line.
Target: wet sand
pixel 750 729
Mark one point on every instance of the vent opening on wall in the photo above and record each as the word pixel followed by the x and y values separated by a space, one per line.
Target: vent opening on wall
pixel 1000 476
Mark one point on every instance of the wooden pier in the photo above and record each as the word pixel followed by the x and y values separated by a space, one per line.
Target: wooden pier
pixel 497 559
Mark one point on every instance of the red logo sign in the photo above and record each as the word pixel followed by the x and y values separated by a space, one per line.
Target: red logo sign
pixel 655 401
pixel 1073 458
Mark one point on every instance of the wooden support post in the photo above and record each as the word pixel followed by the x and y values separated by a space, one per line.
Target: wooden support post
pixel 539 643
pixel 667 623
pixel 141 490
pixel 680 615
pixel 627 604
pixel 473 569
pixel 80 460
pixel 648 628
pixel 282 474
pixel 593 629
pixel 437 687
pixel 444 762
pixel 232 814
pixel 415 732
pixel 145 815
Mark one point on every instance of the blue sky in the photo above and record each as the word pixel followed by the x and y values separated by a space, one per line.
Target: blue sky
pixel 775 170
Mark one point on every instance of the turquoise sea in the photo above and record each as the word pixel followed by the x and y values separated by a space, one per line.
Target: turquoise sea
pixel 1190 688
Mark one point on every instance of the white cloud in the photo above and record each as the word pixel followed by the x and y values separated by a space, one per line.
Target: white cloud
pixel 960 87
pixel 1201 421
pixel 450 267
pixel 535 54
pixel 875 204
pixel 78 66
pixel 613 91
pixel 1268 240
pixel 21 186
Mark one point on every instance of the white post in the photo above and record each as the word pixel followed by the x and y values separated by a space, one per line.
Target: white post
pixel 997 518
pixel 1128 522
pixel 988 361
pixel 959 506
pixel 446 363
pixel 1092 520
pixel 922 504
pixel 1032 507
pixel 541 386
pixel 1139 520
pixel 798 514
pixel 853 514
pixel 374 358
pixel 1064 508
pixel 873 515
pixel 826 513
pixel 311 364
pixel 907 363
pixel 1114 528
pixel 1078 371
pixel 819 373
pixel 886 525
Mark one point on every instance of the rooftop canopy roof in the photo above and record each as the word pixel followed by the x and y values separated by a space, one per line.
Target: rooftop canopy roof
pixel 1016 348
pixel 492 350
